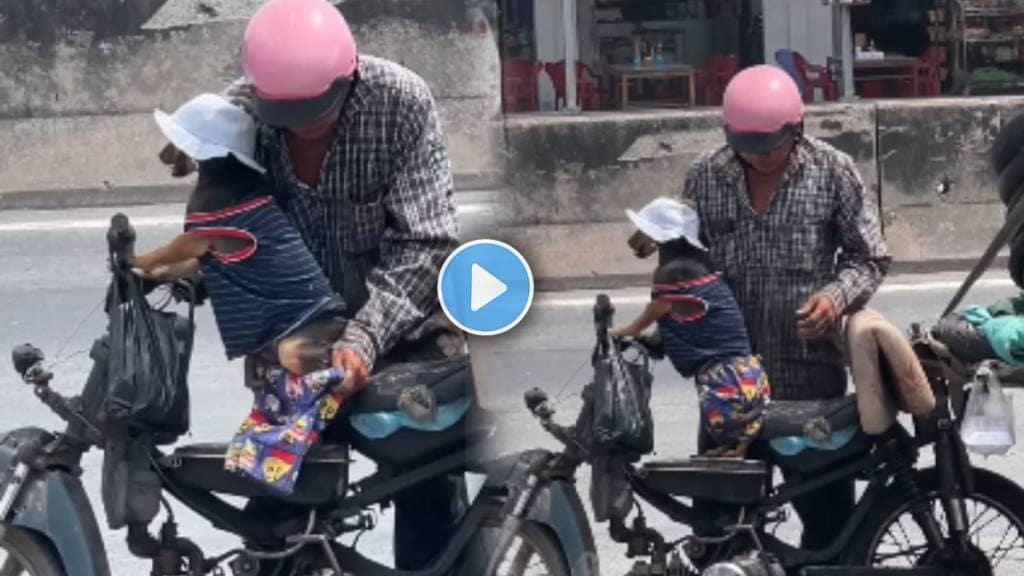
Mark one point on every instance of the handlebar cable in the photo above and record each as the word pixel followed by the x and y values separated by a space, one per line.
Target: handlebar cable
pixel 57 360
pixel 565 387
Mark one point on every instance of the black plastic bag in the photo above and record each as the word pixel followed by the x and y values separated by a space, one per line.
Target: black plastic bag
pixel 148 357
pixel 622 401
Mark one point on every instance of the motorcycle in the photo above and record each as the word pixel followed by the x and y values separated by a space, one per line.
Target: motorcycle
pixel 908 520
pixel 47 527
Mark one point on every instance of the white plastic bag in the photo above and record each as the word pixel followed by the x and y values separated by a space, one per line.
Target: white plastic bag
pixel 988 426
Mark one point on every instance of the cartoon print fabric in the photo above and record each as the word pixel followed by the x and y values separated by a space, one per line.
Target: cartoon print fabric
pixel 286 420
pixel 732 399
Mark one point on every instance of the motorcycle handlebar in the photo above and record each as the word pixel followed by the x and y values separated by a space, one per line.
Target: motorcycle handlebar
pixel 121 241
pixel 603 314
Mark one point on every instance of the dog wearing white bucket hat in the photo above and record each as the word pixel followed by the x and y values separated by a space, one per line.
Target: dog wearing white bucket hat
pixel 701 327
pixel 269 295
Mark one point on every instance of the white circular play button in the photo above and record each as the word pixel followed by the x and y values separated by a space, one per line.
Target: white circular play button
pixel 485 287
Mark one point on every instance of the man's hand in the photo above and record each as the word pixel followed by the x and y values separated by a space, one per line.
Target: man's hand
pixel 356 374
pixel 240 93
pixel 816 317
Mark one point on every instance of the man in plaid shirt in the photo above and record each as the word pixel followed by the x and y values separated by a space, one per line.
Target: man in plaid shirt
pixel 786 218
pixel 354 149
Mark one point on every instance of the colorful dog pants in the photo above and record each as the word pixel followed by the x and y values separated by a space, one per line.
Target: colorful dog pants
pixel 287 418
pixel 732 396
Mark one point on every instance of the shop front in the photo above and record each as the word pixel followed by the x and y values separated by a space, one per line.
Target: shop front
pixel 928 48
pixel 628 53
pixel 632 54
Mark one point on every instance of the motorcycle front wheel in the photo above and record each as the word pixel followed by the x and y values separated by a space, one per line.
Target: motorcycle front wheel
pixel 22 552
pixel 890 538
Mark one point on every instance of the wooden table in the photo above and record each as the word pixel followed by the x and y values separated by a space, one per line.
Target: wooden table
pixel 687 74
pixel 888 68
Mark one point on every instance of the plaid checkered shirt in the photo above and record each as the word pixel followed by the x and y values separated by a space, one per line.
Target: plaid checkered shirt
pixel 821 234
pixel 383 217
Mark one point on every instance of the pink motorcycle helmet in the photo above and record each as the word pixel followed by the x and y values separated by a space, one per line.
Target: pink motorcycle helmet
pixel 761 108
pixel 300 57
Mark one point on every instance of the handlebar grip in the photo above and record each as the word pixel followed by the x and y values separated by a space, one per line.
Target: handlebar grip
pixel 121 239
pixel 603 310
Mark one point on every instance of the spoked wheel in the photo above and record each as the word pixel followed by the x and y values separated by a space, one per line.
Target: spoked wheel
pixel 534 551
pixel 22 553
pixel 891 538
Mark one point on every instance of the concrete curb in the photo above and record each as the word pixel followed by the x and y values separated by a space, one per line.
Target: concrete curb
pixel 619 281
pixel 148 195
pixel 93 197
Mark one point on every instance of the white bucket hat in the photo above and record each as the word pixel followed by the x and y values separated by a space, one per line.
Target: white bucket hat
pixel 209 126
pixel 665 219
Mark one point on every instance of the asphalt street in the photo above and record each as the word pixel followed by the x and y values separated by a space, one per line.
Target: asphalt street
pixel 54 277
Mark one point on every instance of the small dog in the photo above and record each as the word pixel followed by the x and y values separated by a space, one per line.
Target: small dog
pixel 269 295
pixel 700 325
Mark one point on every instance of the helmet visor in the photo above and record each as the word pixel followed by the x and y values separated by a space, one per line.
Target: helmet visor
pixel 294 113
pixel 759 143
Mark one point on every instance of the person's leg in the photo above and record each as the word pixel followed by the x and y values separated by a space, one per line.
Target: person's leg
pixel 824 512
pixel 426 517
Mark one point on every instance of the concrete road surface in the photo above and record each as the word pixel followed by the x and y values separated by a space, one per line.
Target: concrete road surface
pixel 53 279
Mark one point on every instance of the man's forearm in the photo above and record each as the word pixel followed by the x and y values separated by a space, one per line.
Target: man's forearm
pixel 402 294
pixel 864 258
pixel 856 283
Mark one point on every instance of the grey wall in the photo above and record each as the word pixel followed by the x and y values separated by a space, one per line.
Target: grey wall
pixel 79 79
pixel 925 164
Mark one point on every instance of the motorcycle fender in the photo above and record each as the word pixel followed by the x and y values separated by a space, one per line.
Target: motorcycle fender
pixel 54 506
pixel 557 506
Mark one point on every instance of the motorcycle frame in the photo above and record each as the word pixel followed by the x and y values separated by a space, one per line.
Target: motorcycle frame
pixel 792 557
pixel 941 429
pixel 52 503
pixel 953 467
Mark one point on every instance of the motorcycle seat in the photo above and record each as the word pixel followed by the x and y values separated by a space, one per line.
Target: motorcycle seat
pixel 450 383
pixel 794 418
pixel 449 380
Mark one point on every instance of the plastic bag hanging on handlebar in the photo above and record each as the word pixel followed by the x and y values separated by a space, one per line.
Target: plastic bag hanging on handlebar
pixel 622 406
pixel 147 386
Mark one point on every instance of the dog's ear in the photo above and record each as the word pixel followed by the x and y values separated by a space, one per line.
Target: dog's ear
pixel 181 164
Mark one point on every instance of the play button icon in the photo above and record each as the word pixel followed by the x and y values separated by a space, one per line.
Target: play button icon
pixel 485 287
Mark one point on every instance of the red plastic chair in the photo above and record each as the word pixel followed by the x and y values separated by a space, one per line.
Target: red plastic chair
pixel 929 74
pixel 519 84
pixel 815 77
pixel 588 89
pixel 714 77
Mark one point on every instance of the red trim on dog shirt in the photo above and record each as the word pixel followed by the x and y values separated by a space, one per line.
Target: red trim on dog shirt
pixel 202 217
pixel 226 232
pixel 683 285
pixel 686 299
